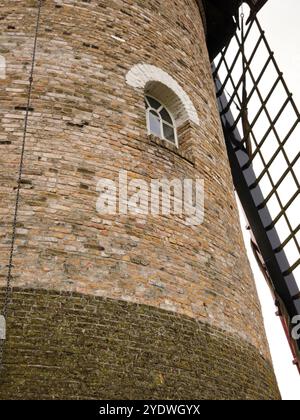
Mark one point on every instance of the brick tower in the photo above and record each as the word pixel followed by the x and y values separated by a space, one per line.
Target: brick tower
pixel 120 305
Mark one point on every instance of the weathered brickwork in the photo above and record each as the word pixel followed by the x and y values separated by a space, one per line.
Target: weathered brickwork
pixel 63 345
pixel 88 123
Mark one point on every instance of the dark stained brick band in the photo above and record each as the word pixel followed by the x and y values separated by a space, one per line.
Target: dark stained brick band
pixel 73 346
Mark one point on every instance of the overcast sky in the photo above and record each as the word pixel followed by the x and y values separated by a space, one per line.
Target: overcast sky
pixel 280 20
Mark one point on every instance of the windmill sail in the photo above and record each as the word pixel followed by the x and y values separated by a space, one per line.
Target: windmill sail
pixel 261 126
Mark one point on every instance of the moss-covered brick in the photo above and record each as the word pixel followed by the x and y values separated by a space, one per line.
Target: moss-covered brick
pixel 67 345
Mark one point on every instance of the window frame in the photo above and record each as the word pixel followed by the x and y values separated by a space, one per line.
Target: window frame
pixel 161 120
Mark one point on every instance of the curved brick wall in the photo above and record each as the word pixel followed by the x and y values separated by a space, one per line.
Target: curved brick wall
pixel 88 123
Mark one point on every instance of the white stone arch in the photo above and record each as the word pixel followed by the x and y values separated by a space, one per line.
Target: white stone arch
pixel 164 87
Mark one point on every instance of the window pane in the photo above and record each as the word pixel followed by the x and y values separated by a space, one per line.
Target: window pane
pixel 154 123
pixel 153 102
pixel 166 116
pixel 169 133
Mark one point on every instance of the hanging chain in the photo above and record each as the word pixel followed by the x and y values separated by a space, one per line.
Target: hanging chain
pixel 19 181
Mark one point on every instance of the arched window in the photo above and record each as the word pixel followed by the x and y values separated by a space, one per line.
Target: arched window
pixel 171 115
pixel 160 122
